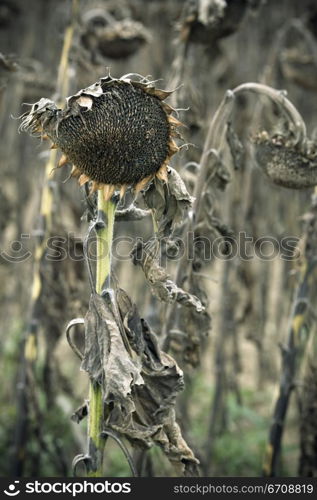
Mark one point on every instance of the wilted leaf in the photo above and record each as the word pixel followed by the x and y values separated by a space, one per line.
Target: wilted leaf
pixel 106 358
pixel 147 256
pixel 188 340
pixel 176 448
pixel 169 202
pixel 140 381
pixel 196 327
pixel 131 213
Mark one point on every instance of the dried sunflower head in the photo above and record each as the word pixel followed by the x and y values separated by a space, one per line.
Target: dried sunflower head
pixel 108 30
pixel 208 21
pixel 284 163
pixel 116 40
pixel 116 133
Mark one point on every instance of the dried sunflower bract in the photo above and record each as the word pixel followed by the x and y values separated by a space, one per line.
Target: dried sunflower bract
pixel 116 133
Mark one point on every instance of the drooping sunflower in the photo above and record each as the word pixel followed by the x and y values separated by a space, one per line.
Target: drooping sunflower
pixel 286 164
pixel 114 40
pixel 116 133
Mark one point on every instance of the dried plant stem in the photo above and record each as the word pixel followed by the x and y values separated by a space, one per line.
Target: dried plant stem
pixel 307 398
pixel 296 342
pixel 104 230
pixel 62 80
pixel 290 361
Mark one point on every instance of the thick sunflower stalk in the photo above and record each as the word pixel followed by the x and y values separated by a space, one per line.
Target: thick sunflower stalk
pixel 104 235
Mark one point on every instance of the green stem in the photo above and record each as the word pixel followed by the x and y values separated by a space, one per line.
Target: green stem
pixel 106 209
pixel 96 443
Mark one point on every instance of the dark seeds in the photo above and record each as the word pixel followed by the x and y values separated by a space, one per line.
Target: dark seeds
pixel 121 139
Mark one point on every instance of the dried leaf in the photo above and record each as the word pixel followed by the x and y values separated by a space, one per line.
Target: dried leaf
pixel 147 256
pixel 139 380
pixel 169 202
pixel 131 213
pixel 218 174
pixel 154 418
pixel 197 328
pixel 106 358
pixel 170 292
pixel 188 340
pixel 176 449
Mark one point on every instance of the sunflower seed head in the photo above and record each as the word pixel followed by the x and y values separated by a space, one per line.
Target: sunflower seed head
pixel 116 131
